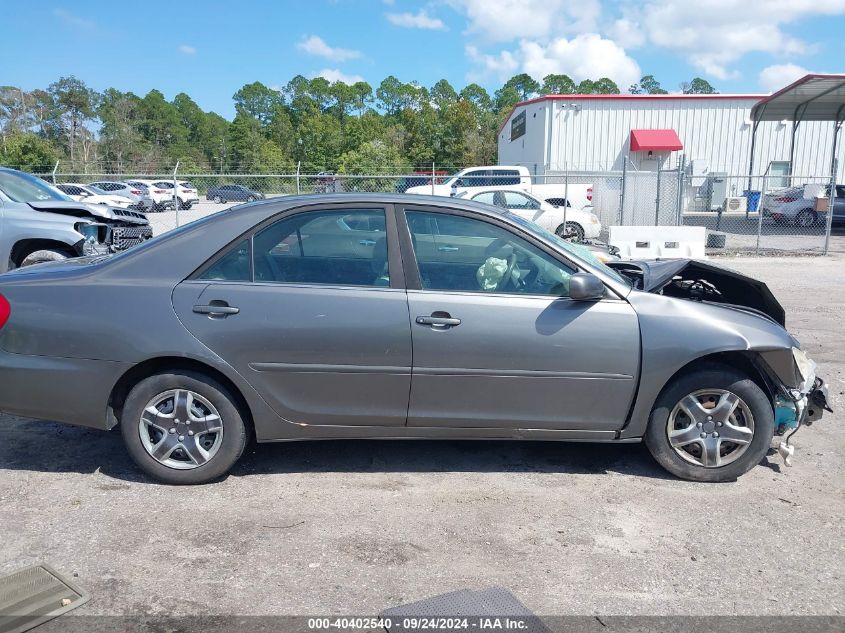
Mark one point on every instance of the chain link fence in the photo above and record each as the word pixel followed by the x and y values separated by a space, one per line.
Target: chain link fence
pixel 761 214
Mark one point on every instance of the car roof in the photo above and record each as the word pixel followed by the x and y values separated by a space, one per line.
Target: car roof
pixel 386 198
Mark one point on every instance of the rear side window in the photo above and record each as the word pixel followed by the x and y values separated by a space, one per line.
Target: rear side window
pixel 321 247
pixel 505 177
pixel 233 266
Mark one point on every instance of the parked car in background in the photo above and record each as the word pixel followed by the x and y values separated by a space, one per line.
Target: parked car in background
pixel 232 193
pixel 160 193
pixel 580 195
pixel 437 318
pixel 791 205
pixel 93 195
pixel 140 199
pixel 39 223
pixel 186 194
pixel 563 221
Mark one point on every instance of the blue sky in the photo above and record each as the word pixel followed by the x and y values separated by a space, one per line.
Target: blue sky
pixel 210 49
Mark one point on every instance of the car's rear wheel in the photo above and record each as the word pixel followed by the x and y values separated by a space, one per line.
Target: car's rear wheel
pixel 713 424
pixel 217 200
pixel 806 218
pixel 182 427
pixel 572 229
pixel 43 255
pixel 250 198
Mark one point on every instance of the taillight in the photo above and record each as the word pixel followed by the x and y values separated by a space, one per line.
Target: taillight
pixel 5 311
pixel 136 192
pixel 590 194
pixel 160 191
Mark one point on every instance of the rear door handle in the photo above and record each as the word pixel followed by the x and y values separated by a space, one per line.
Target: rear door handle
pixel 216 309
pixel 438 321
pixel 447 249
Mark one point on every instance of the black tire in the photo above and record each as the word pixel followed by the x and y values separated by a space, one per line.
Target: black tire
pixel 234 430
pixel 41 255
pixel 571 228
pixel 218 200
pixel 711 377
pixel 806 218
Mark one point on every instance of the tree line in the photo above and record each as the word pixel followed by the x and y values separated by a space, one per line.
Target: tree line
pixel 311 123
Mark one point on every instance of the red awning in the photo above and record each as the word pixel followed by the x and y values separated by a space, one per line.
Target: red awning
pixel 655 141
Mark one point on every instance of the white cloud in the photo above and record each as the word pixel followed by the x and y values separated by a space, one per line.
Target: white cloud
pixel 714 34
pixel 314 45
pixel 587 56
pixel 780 75
pixel 502 65
pixel 510 20
pixel 335 74
pixel 186 49
pixel 73 20
pixel 419 20
pixel 627 33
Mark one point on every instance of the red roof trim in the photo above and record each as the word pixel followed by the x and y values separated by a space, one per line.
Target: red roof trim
pixel 626 98
pixel 655 141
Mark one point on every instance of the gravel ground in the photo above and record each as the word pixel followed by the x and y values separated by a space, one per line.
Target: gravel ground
pixel 356 527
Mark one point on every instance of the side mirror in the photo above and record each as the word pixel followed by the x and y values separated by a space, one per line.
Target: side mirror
pixel 585 287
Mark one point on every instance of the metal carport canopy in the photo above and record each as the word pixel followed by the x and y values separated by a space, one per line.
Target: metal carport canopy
pixel 811 98
pixel 814 97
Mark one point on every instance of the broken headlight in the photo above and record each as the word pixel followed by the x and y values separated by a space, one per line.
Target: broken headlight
pixel 95 237
pixel 806 368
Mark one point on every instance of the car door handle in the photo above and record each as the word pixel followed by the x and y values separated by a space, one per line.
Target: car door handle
pixel 438 321
pixel 447 249
pixel 220 308
pixel 367 242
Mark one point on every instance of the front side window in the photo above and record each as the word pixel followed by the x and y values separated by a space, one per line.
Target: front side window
pixel 472 255
pixel 516 200
pixel 322 247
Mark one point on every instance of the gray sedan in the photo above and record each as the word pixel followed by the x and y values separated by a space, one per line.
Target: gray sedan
pixel 391 317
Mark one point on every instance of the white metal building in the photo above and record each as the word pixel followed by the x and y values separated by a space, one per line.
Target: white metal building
pixel 711 134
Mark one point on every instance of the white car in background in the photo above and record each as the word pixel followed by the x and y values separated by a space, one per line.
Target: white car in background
pixel 580 224
pixel 548 187
pixel 137 195
pixel 160 192
pixel 187 194
pixel 93 195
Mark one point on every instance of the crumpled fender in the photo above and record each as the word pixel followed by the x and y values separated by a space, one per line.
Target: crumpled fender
pixel 675 332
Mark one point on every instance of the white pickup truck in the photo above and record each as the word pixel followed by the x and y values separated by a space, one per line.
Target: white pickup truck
pixel 580 195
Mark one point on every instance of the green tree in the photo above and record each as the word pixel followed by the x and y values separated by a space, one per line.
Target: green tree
pixel 698 86
pixel 390 95
pixel 28 151
pixel 647 85
pixel 363 96
pixel 558 85
pixel 121 142
pixel 478 97
pixel 257 100
pixel 373 158
pixel 75 104
pixel 443 94
pixel 524 84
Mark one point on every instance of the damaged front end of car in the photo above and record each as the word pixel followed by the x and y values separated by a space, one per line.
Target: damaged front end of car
pixel 103 229
pixel 799 397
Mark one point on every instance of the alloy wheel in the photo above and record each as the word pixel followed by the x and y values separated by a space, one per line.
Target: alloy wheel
pixel 181 429
pixel 710 427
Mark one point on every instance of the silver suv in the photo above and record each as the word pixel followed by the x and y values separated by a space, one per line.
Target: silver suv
pixel 39 223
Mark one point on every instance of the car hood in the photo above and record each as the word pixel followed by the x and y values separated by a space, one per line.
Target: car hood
pixel 702 281
pixel 97 212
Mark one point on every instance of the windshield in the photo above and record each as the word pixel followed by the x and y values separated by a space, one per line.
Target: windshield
pixel 20 187
pixel 576 249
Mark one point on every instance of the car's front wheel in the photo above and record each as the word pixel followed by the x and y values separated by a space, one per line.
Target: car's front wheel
pixel 572 230
pixel 43 255
pixel 713 424
pixel 182 427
